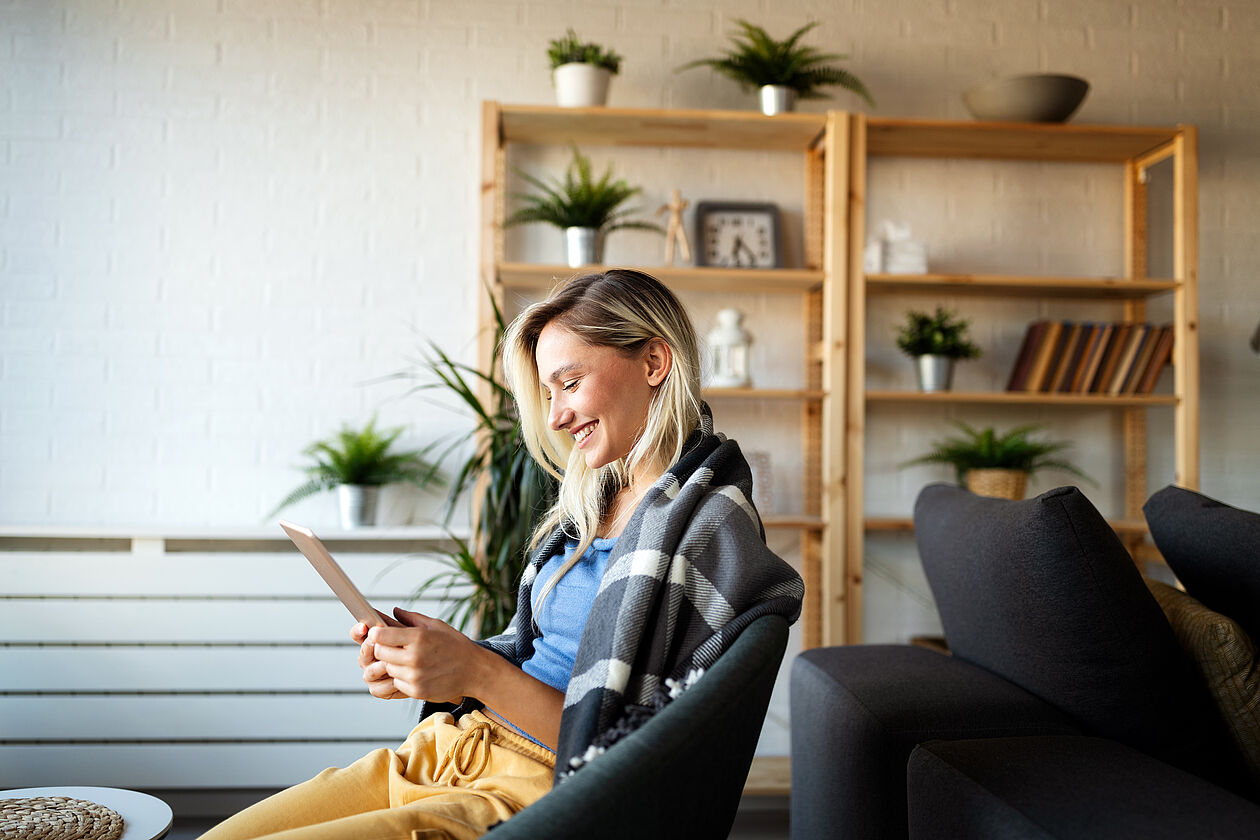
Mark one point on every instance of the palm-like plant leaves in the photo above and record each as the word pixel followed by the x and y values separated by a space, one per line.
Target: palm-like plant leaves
pixel 510 492
pixel 579 200
pixel 980 449
pixel 756 59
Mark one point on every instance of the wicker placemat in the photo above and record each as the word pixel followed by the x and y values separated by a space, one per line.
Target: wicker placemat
pixel 57 818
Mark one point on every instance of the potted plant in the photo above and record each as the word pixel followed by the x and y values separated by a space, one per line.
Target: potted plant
pixel 509 494
pixel 783 70
pixel 581 71
pixel 358 462
pixel 989 464
pixel 935 342
pixel 586 209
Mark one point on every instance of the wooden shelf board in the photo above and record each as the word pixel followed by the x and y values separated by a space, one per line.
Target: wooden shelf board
pixel 1108 288
pixel 904 524
pixel 804 523
pixel 683 278
pixel 1021 398
pixel 763 394
pixel 551 124
pixel 1013 141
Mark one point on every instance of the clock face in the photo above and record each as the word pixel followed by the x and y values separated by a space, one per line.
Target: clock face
pixel 739 238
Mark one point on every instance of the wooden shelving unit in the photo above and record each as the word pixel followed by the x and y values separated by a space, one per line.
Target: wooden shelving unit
pixel 833 402
pixel 1132 149
pixel 822 141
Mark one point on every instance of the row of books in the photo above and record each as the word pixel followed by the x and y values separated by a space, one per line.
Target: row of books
pixel 1067 357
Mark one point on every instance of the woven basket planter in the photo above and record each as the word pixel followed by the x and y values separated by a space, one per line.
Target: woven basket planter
pixel 1004 484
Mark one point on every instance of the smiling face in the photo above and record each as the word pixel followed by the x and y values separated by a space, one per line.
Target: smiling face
pixel 599 395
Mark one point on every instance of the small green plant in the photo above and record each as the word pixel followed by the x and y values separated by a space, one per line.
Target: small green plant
pixel 938 334
pixel 755 59
pixel 579 200
pixel 570 50
pixel 362 457
pixel 984 449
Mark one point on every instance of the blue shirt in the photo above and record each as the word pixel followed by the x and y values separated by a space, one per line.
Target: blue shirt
pixel 562 616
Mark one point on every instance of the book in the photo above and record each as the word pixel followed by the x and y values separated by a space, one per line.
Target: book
pixel 1062 382
pixel 1119 336
pixel 1159 360
pixel 1023 358
pixel 1063 355
pixel 1142 360
pixel 1100 334
pixel 1133 345
pixel 1044 356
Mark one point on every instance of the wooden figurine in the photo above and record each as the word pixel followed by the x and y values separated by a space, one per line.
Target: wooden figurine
pixel 675 230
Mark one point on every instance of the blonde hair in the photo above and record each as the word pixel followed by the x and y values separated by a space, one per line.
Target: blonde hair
pixel 625 310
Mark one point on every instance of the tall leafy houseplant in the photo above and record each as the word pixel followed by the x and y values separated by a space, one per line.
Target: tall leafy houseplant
pixel 982 450
pixel 586 208
pixel 362 458
pixel 756 60
pixel 509 494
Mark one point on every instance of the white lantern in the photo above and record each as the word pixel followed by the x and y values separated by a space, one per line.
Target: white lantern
pixel 728 348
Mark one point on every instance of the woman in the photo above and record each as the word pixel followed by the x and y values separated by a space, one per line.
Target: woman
pixel 649 565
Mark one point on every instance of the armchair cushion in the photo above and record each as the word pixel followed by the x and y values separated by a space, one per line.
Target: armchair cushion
pixel 1214 550
pixel 1063 787
pixel 858 711
pixel 1043 593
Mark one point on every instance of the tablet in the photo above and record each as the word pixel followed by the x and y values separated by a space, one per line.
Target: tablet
pixel 333 575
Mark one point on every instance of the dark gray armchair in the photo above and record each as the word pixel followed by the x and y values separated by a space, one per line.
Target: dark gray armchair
pixel 683 772
pixel 1067 710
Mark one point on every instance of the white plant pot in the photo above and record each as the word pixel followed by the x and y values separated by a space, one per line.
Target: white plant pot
pixel 777 99
pixel 583 246
pixel 580 85
pixel 358 505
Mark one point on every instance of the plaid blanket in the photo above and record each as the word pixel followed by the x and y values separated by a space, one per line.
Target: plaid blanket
pixel 689 572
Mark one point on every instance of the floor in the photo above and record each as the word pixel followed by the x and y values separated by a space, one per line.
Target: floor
pixel 759 818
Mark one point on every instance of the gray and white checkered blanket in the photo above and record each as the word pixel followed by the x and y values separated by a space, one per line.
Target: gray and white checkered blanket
pixel 690 571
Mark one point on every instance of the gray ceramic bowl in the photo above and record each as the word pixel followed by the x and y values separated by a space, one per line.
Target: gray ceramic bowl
pixel 1036 97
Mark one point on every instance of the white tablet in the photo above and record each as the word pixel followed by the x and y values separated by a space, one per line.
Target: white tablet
pixel 333 575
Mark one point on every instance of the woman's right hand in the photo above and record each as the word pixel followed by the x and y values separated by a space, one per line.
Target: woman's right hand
pixel 379 683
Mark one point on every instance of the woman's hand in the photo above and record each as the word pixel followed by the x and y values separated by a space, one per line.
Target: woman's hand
pixel 379 683
pixel 427 659
pixel 420 657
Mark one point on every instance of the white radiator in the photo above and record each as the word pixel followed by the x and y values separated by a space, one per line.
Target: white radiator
pixel 191 661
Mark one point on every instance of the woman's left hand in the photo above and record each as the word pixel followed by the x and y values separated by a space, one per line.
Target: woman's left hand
pixel 427 659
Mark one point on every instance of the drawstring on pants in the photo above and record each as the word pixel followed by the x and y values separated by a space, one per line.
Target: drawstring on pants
pixel 472 746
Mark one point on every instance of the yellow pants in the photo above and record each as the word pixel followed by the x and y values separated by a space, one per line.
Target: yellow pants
pixel 449 779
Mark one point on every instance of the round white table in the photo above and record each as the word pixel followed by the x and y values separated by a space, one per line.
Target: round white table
pixel 145 817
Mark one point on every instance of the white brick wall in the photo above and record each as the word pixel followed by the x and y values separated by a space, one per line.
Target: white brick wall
pixel 218 219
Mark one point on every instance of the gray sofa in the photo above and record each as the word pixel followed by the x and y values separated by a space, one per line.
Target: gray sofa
pixel 1070 706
